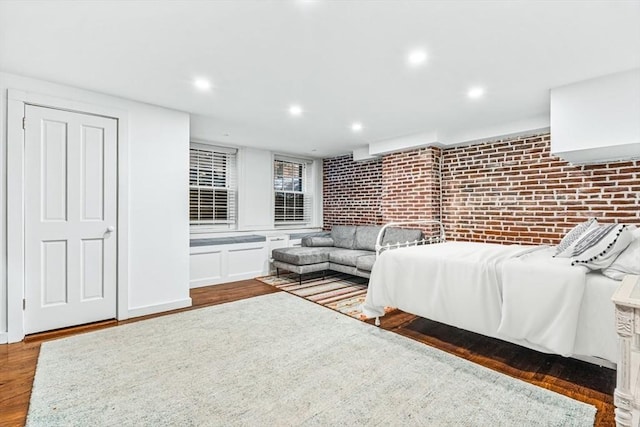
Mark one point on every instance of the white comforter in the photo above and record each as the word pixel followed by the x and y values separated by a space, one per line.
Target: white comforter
pixel 495 290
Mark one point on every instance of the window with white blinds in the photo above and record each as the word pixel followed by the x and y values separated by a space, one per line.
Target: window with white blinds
pixel 292 199
pixel 212 185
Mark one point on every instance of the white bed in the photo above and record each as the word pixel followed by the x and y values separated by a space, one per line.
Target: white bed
pixel 517 293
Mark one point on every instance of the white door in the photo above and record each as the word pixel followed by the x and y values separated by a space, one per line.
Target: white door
pixel 70 218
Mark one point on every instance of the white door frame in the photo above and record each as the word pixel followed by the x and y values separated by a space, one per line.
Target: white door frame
pixel 16 101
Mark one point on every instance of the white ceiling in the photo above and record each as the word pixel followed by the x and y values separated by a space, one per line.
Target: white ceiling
pixel 343 61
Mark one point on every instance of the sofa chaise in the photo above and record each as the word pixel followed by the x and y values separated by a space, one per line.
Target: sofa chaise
pixel 347 248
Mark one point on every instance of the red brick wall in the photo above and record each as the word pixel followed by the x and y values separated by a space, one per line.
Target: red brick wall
pixel 515 191
pixel 352 191
pixel 507 191
pixel 411 185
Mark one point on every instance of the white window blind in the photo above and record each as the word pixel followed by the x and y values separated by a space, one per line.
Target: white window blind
pixel 292 199
pixel 212 185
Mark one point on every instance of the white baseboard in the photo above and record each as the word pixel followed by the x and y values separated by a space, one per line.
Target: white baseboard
pixel 219 280
pixel 159 308
pixel 4 338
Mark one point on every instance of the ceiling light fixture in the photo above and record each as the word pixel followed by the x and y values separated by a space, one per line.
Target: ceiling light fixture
pixel 475 92
pixel 295 110
pixel 416 57
pixel 356 127
pixel 202 84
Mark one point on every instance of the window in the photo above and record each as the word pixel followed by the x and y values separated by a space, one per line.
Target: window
pixel 212 185
pixel 292 200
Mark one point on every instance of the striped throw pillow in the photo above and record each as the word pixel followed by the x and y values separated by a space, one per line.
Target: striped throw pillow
pixel 565 247
pixel 599 247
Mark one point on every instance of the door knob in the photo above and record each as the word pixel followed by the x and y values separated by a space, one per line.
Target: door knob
pixel 111 229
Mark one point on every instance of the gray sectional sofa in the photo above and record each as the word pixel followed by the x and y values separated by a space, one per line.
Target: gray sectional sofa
pixel 349 249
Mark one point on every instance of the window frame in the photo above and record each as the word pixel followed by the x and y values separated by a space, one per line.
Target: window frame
pixel 230 187
pixel 306 192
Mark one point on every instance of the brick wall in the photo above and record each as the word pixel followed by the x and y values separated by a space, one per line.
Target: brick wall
pixel 411 185
pixel 507 191
pixel 516 191
pixel 352 191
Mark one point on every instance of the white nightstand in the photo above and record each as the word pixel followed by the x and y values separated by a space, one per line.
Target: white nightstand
pixel 627 395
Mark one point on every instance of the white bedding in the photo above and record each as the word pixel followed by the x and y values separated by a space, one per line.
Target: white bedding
pixel 517 293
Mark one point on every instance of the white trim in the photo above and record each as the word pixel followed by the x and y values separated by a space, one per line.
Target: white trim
pixel 4 338
pixel 292 159
pixel 16 100
pixel 231 148
pixel 307 191
pixel 158 308
pixel 231 185
pixel 15 216
pixel 212 146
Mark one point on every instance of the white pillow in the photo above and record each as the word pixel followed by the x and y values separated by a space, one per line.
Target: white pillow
pixel 566 245
pixel 628 262
pixel 599 247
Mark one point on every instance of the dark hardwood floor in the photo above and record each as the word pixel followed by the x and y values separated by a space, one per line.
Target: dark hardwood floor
pixel 579 380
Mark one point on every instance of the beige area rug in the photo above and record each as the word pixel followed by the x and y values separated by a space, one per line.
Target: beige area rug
pixel 337 291
pixel 276 360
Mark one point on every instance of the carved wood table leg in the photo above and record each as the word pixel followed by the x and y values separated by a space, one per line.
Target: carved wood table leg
pixel 623 398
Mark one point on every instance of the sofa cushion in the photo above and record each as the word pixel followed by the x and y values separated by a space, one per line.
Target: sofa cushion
pixel 366 236
pixel 347 256
pixel 349 269
pixel 365 263
pixel 317 241
pixel 343 236
pixel 395 235
pixel 302 269
pixel 302 255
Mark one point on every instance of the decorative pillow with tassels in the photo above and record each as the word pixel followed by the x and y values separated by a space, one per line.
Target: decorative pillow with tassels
pixel 628 262
pixel 566 245
pixel 599 247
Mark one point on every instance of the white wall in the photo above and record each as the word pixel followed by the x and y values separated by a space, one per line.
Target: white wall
pixel 159 221
pixel 598 119
pixel 255 188
pixel 255 184
pixel 158 143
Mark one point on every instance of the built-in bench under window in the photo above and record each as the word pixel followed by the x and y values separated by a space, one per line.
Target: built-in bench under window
pixel 215 241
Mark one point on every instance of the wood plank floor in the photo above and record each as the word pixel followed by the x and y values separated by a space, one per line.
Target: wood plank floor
pixel 579 380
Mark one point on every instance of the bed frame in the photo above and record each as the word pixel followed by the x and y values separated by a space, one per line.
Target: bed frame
pixel 432 232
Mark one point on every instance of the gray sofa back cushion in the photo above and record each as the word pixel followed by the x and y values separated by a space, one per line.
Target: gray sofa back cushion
pixel 394 235
pixel 317 241
pixel 343 236
pixel 366 236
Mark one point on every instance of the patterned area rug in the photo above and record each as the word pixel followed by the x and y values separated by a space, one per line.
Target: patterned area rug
pixel 337 291
pixel 276 360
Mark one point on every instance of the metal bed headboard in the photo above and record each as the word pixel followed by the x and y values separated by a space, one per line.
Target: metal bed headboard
pixel 426 240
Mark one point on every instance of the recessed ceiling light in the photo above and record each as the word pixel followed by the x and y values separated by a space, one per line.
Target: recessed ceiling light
pixel 416 57
pixel 202 84
pixel 295 110
pixel 356 127
pixel 475 92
